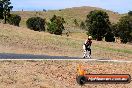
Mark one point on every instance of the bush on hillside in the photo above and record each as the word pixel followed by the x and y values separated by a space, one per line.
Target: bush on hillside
pixel 14 19
pixel 76 23
pixel 36 24
pixel 56 25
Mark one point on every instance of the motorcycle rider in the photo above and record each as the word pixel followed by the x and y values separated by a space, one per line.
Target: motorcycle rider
pixel 87 47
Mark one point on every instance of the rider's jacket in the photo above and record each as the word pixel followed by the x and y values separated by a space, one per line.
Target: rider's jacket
pixel 88 43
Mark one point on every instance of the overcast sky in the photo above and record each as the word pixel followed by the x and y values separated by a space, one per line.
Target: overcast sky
pixel 121 6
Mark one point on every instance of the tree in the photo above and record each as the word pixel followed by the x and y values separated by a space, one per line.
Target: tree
pixel 36 24
pixel 5 5
pixel 97 23
pixel 1 10
pixel 125 29
pixel 109 37
pixel 55 26
pixel 114 29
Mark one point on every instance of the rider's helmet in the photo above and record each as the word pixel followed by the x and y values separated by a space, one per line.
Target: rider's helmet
pixel 90 37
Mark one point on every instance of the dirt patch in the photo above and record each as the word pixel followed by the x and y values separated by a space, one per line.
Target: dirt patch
pixel 56 74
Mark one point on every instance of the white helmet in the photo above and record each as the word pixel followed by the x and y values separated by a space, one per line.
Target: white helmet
pixel 89 37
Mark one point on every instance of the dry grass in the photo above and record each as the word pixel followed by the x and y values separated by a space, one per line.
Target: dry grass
pixel 113 50
pixel 22 40
pixel 56 74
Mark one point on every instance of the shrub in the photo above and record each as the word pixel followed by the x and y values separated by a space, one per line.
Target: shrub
pixel 109 37
pixel 14 19
pixel 52 27
pixel 56 25
pixel 76 23
pixel 36 24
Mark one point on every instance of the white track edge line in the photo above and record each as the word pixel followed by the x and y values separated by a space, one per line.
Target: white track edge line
pixel 97 60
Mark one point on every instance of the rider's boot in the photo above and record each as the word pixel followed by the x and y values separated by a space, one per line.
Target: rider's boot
pixel 84 55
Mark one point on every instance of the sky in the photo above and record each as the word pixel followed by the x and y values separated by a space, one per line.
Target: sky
pixel 120 6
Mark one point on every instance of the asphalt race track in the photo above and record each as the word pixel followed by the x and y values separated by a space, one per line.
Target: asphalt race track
pixel 11 56
pixel 31 56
